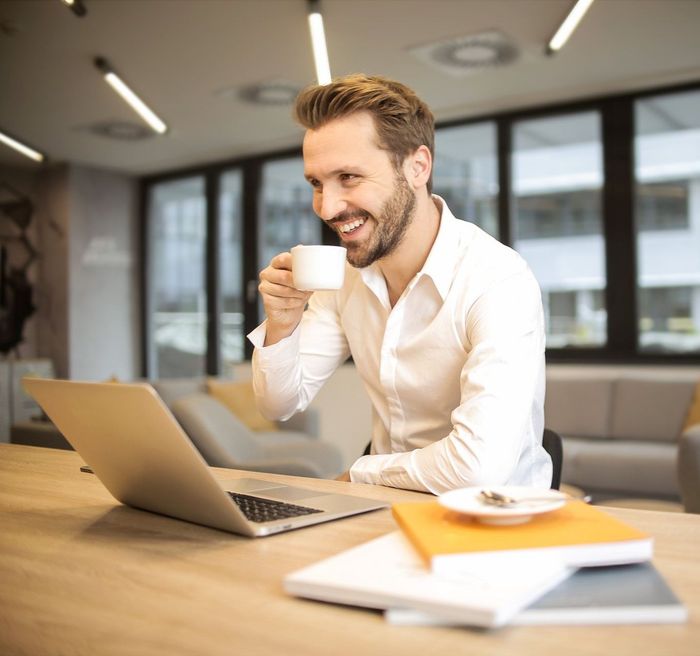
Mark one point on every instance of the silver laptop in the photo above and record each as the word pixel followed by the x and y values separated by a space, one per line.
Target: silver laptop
pixel 136 447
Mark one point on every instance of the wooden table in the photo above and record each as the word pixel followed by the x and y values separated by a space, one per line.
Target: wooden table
pixel 81 574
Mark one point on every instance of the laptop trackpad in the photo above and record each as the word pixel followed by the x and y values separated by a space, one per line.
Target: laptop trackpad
pixel 291 493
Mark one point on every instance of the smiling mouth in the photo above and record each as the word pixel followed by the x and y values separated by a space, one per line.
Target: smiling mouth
pixel 351 226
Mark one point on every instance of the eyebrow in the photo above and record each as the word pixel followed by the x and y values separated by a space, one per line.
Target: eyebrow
pixel 334 172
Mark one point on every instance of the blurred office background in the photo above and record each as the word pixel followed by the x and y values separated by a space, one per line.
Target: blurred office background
pixel 587 161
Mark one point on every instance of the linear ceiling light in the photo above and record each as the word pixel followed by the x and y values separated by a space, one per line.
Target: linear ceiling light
pixel 76 6
pixel 127 94
pixel 318 43
pixel 21 148
pixel 568 26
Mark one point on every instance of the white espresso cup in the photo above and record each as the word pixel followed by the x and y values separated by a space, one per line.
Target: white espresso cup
pixel 318 267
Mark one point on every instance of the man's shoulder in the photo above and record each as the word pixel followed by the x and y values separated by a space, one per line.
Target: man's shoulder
pixel 481 249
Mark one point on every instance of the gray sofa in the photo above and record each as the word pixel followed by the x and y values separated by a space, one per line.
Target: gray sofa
pixel 225 441
pixel 621 429
pixel 303 424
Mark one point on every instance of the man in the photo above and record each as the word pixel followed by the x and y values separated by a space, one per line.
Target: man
pixel 443 322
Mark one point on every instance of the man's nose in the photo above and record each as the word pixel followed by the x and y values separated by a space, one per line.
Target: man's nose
pixel 330 204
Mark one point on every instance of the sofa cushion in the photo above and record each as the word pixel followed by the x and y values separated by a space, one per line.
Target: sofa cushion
pixel 217 433
pixel 650 409
pixel 622 467
pixel 239 398
pixel 692 418
pixel 172 389
pixel 579 407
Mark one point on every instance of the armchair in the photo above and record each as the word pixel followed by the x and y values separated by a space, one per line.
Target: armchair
pixel 224 441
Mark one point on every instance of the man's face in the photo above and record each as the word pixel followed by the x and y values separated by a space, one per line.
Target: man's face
pixel 357 189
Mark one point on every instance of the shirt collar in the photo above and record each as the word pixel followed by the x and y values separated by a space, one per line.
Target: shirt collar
pixel 441 261
pixel 444 254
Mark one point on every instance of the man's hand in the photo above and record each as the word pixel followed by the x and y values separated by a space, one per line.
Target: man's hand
pixel 283 303
pixel 345 476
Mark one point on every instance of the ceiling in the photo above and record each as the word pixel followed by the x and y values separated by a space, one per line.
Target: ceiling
pixel 189 59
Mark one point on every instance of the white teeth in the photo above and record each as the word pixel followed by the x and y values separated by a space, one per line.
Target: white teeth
pixel 352 225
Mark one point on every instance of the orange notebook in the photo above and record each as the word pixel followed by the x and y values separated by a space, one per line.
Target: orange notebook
pixel 578 534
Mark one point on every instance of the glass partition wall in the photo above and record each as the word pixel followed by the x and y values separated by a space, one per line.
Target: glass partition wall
pixel 557 179
pixel 667 214
pixel 177 290
pixel 601 198
pixel 230 271
pixel 465 173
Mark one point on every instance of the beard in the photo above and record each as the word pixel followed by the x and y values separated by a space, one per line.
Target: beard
pixel 390 226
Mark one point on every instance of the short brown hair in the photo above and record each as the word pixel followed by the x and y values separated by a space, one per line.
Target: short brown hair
pixel 402 120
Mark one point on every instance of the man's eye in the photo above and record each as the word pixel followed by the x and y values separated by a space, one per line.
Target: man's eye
pixel 347 177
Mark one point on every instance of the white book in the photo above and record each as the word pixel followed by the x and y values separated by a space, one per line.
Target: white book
pixel 387 573
pixel 620 594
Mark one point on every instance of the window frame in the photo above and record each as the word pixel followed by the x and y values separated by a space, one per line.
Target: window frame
pixel 618 201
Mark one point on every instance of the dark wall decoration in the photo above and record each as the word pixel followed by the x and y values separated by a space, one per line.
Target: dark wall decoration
pixel 16 256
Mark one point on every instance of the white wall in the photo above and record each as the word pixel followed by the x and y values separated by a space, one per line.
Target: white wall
pixel 103 276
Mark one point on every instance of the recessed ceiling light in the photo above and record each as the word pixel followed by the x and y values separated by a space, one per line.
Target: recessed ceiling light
pixel 566 29
pixel 123 89
pixel 76 6
pixel 20 147
pixel 318 42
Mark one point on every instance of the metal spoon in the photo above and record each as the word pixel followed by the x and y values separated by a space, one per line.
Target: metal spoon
pixel 493 498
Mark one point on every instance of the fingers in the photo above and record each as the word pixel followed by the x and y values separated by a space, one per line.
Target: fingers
pixel 276 278
pixel 284 304
pixel 276 282
pixel 282 261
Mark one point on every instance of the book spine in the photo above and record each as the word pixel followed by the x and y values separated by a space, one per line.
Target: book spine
pixel 413 537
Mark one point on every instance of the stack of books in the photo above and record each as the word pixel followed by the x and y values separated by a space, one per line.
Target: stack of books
pixel 574 565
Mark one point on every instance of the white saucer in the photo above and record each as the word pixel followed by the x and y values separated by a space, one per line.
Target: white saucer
pixel 466 501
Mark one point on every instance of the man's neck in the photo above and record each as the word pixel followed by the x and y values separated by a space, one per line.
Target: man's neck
pixel 408 259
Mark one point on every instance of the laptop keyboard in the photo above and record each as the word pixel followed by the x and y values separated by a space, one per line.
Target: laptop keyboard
pixel 266 510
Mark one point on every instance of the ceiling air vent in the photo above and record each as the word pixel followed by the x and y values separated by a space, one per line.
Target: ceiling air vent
pixel 121 130
pixel 468 54
pixel 271 92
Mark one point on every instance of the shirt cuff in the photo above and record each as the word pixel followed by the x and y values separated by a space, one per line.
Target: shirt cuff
pixel 257 336
pixel 392 470
pixel 276 354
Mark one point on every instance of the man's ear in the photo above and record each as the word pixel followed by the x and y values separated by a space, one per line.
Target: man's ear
pixel 419 165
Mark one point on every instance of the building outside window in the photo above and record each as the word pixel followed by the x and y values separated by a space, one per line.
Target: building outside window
pixel 177 295
pixel 465 173
pixel 667 176
pixel 231 266
pixel 555 207
pixel 557 178
pixel 286 216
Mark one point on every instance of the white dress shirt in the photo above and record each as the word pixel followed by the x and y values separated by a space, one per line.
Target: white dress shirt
pixel 455 370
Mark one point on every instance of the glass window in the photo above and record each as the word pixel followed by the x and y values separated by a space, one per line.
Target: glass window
pixel 465 173
pixel 557 168
pixel 286 215
pixel 231 266
pixel 177 294
pixel 667 177
pixel 662 205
